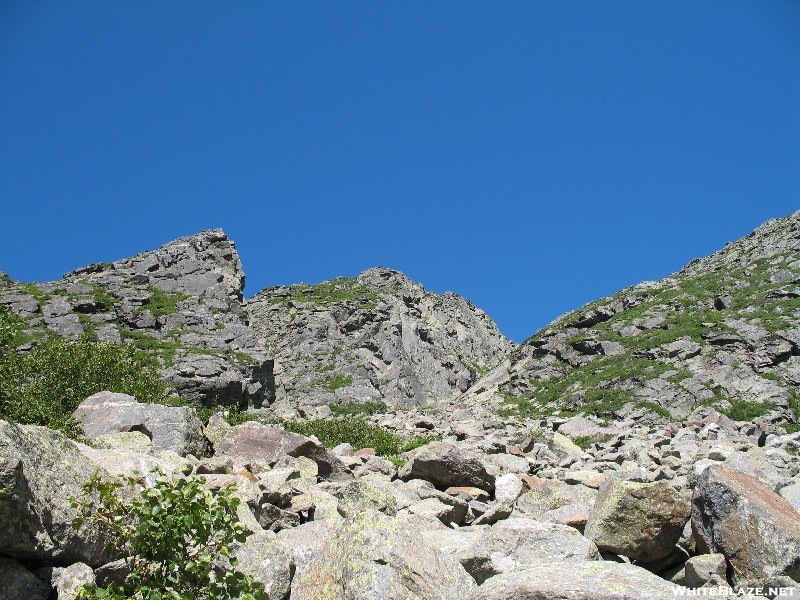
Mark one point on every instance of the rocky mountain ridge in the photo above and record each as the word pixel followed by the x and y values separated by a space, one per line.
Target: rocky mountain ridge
pixel 395 445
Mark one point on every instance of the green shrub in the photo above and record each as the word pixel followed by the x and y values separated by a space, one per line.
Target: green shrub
pixel 44 386
pixel 175 537
pixel 10 327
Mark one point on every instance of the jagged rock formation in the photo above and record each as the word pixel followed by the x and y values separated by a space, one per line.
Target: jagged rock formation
pixel 181 302
pixel 722 332
pixel 378 337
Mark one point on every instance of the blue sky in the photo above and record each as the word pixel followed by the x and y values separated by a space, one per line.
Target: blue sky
pixel 531 156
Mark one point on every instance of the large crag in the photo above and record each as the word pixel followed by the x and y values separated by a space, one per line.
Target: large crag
pixel 378 337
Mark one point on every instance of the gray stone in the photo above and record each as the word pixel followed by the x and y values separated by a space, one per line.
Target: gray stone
pixel 40 470
pixel 582 580
pixel 518 544
pixel 699 569
pixel 361 495
pixel 267 559
pixel 70 580
pixel 380 557
pixel 270 443
pixel 445 465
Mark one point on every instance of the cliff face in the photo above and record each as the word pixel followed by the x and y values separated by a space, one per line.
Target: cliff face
pixel 181 302
pixel 722 332
pixel 378 337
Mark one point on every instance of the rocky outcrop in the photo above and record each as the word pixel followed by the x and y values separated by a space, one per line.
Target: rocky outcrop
pixel 378 337
pixel 181 303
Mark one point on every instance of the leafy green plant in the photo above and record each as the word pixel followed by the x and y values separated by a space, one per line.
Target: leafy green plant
pixel 175 537
pixel 45 385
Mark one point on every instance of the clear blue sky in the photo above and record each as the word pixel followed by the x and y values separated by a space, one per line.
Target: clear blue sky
pixel 531 156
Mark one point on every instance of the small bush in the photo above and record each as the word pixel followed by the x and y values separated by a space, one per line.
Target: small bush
pixel 175 536
pixel 44 386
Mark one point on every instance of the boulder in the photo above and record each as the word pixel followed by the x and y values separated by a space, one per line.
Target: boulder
pixel 376 556
pixel 547 495
pixel 519 543
pixel 269 443
pixel 306 540
pixel 175 428
pixel 17 583
pixel 361 495
pixel 643 521
pixel 40 470
pixel 446 465
pixel 699 569
pixel 756 529
pixel 70 580
pixel 268 560
pixel 583 580
pixel 507 488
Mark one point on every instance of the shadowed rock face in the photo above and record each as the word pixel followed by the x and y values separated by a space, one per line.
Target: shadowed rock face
pixel 378 337
pixel 181 302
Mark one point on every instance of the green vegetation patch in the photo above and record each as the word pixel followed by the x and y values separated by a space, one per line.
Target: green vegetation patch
pixel 359 408
pixel 163 303
pixel 599 381
pixel 173 535
pixel 335 291
pixel 333 383
pixel 45 385
pixel 741 410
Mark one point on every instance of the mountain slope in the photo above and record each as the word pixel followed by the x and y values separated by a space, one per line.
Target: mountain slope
pixel 378 337
pixel 722 332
